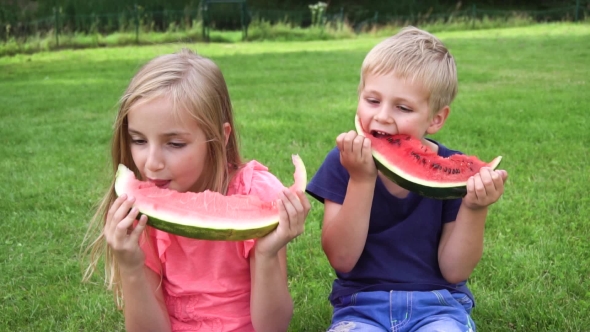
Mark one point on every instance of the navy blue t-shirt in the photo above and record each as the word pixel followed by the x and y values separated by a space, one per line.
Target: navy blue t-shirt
pixel 401 251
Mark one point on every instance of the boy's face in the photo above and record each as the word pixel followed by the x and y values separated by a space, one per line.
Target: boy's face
pixel 390 105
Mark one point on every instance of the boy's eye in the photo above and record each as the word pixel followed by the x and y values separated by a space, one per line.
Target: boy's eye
pixel 404 109
pixel 372 101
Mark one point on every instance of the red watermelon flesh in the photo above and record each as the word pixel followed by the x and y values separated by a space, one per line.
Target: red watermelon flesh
pixel 415 167
pixel 206 215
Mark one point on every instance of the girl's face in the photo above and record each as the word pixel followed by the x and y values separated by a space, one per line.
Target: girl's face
pixel 169 150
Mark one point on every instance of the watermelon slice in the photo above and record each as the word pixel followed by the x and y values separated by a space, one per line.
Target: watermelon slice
pixel 207 215
pixel 415 167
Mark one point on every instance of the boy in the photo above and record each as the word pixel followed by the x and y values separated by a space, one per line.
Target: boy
pixel 402 260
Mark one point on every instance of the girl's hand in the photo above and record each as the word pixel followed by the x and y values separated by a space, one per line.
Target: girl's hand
pixel 484 188
pixel 355 155
pixel 293 209
pixel 122 237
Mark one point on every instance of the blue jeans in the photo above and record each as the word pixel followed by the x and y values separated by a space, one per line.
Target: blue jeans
pixel 399 311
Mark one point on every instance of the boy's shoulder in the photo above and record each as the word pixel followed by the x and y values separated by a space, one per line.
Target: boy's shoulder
pixel 443 150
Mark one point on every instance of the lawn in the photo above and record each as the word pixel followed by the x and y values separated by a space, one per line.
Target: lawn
pixel 524 94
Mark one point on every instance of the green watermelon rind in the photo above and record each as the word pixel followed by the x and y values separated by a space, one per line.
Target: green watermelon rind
pixel 208 233
pixel 426 188
pixel 435 190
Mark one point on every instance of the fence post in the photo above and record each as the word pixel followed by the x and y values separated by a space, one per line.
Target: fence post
pixel 577 10
pixel 136 12
pixel 56 21
pixel 473 16
pixel 341 18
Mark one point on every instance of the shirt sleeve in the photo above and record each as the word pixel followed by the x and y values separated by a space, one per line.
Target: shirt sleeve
pixel 330 181
pixel 154 243
pixel 255 179
pixel 451 209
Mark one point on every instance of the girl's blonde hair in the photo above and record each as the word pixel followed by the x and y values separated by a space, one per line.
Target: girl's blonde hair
pixel 193 84
pixel 416 55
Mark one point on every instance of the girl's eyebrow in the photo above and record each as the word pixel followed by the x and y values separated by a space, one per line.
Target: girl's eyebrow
pixel 169 134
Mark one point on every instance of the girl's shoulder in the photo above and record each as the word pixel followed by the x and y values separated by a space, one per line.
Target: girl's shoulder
pixel 253 178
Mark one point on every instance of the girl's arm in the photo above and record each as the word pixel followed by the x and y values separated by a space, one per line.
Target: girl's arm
pixel 346 226
pixel 271 306
pixel 145 309
pixel 461 244
pixel 143 299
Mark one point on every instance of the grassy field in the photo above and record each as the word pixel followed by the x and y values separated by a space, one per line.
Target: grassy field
pixel 523 95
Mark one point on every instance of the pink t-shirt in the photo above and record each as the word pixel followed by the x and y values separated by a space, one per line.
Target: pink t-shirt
pixel 206 284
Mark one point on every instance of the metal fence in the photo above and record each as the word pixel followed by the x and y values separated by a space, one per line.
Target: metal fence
pixel 138 20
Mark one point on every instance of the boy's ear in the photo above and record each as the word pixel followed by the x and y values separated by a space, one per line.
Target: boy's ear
pixel 226 131
pixel 438 120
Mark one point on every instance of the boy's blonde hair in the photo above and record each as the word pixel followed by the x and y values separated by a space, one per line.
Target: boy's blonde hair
pixel 193 84
pixel 416 55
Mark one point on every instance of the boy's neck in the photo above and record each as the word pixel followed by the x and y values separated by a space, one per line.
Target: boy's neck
pixel 393 188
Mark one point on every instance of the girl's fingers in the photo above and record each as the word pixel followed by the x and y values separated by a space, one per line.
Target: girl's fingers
pixel 134 236
pixel 110 223
pixel 123 226
pixel 283 215
pixel 289 201
pixel 123 209
pixel 304 201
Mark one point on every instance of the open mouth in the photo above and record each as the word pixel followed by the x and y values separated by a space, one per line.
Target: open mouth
pixel 379 134
pixel 160 183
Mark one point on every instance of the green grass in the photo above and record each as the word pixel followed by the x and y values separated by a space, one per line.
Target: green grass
pixel 523 94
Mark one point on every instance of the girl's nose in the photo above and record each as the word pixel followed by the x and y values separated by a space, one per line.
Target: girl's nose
pixel 155 160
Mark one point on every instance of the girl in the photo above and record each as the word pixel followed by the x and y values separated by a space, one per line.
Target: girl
pixel 175 128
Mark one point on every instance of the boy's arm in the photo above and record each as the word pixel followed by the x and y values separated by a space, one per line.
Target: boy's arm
pixel 461 244
pixel 346 226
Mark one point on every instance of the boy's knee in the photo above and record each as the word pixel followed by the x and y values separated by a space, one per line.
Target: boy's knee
pixel 445 325
pixel 348 326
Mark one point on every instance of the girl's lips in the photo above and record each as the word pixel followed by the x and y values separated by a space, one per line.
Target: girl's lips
pixel 160 183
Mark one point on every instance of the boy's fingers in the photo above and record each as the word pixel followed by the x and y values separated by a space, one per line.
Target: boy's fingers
pixel 340 141
pixel 487 178
pixel 480 190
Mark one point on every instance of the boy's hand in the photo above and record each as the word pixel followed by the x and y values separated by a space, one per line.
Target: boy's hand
pixel 484 188
pixel 355 155
pixel 293 210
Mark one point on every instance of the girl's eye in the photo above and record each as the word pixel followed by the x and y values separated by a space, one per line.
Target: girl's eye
pixel 177 145
pixel 137 141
